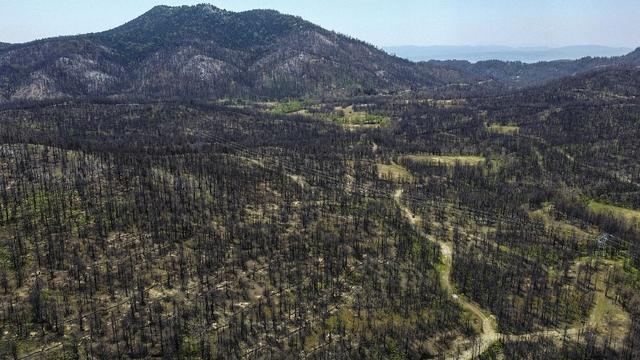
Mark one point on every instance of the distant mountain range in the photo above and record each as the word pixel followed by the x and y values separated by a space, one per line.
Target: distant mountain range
pixel 520 75
pixel 504 53
pixel 203 52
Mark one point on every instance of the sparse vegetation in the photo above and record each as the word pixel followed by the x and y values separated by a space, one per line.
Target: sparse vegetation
pixel 449 160
pixel 393 213
pixel 287 107
pixel 503 129
pixel 630 215
pixel 348 117
pixel 394 172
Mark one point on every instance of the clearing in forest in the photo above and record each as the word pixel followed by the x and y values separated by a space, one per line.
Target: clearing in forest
pixel 446 103
pixel 608 318
pixel 631 215
pixel 287 107
pixel 394 172
pixel 546 214
pixel 449 160
pixel 503 129
pixel 347 116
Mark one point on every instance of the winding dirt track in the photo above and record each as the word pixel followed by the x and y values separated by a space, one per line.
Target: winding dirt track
pixel 490 334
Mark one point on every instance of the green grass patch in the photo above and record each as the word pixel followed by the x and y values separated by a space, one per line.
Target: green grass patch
pixel 469 160
pixel 348 116
pixel 606 311
pixel 394 172
pixel 503 129
pixel 546 215
pixel 287 107
pixel 345 116
pixel 446 103
pixel 631 215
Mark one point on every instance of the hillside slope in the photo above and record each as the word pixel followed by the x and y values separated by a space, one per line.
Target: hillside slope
pixel 202 51
pixel 520 75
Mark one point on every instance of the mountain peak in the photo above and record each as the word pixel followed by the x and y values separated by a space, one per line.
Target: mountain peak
pixel 202 8
pixel 210 9
pixel 203 23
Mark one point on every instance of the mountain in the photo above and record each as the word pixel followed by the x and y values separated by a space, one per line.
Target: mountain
pixel 3 45
pixel 610 83
pixel 520 75
pixel 504 53
pixel 205 52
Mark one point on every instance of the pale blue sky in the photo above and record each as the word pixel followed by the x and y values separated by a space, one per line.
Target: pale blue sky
pixel 380 22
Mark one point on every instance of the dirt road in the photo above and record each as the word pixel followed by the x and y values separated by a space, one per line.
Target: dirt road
pixel 470 349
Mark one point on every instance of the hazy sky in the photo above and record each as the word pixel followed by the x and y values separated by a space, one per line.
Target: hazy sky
pixel 381 22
